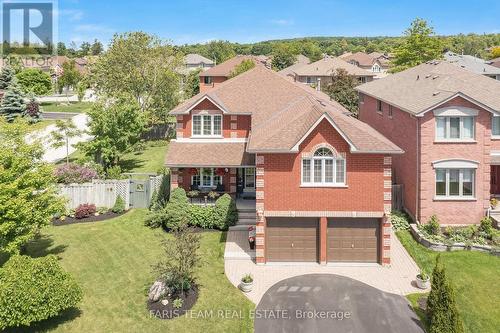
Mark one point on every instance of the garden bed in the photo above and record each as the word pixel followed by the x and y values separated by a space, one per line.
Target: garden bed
pixel 92 218
pixel 441 247
pixel 158 310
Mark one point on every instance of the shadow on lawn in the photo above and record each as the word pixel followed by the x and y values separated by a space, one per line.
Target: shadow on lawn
pixel 129 164
pixel 48 324
pixel 42 246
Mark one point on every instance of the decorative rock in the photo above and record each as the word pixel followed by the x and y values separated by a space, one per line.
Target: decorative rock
pixel 157 290
pixel 164 301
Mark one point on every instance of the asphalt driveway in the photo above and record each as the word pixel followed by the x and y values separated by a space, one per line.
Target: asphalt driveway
pixel 332 303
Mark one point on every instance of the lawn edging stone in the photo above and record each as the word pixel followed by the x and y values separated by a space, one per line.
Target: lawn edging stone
pixel 441 247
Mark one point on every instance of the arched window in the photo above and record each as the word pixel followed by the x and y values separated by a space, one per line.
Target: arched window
pixel 323 169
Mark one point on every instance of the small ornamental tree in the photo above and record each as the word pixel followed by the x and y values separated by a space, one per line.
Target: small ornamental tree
pixel 5 77
pixel 65 130
pixel 33 110
pixel 13 104
pixel 33 80
pixel 441 304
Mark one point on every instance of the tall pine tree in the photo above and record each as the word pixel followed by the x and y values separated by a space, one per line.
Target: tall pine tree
pixel 13 104
pixel 5 77
pixel 441 304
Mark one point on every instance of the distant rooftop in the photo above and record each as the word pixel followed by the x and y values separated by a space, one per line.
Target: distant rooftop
pixel 471 63
pixel 194 58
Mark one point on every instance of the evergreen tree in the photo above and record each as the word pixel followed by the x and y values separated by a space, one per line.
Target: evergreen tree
pixel 5 77
pixel 441 304
pixel 13 104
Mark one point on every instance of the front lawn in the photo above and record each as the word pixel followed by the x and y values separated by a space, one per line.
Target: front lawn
pixel 78 107
pixel 148 160
pixel 112 262
pixel 475 278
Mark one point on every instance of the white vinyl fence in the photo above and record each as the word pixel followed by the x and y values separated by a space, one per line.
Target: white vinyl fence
pixel 103 193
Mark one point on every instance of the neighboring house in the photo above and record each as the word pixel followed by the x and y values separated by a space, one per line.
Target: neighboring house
pixel 494 62
pixel 374 62
pixel 221 72
pixel 447 120
pixel 321 71
pixel 321 178
pixel 302 60
pixel 194 61
pixel 473 64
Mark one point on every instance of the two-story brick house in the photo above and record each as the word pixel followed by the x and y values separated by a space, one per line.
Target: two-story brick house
pixel 321 178
pixel 447 120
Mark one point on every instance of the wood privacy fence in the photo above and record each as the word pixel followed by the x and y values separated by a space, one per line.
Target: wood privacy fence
pixel 397 197
pixel 103 193
pixel 159 132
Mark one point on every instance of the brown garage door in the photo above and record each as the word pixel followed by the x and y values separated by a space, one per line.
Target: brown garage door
pixel 292 239
pixel 353 240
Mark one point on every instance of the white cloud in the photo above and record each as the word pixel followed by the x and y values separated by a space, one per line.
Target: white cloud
pixel 71 15
pixel 93 28
pixel 282 22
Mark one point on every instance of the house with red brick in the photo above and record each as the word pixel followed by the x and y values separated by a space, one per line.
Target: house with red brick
pixel 447 120
pixel 318 180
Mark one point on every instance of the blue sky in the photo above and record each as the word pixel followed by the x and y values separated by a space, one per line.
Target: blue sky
pixel 191 21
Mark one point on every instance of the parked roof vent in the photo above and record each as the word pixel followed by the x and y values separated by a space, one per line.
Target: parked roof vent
pixel 435 77
pixel 436 93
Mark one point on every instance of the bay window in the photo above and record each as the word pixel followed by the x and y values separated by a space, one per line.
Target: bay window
pixel 455 183
pixel 323 169
pixel 207 125
pixel 455 128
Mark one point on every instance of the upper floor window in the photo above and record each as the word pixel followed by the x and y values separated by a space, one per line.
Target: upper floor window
pixel 361 98
pixel 390 111
pixel 495 126
pixel 379 106
pixel 323 169
pixel 455 128
pixel 207 125
pixel 310 80
pixel 376 68
pixel 207 80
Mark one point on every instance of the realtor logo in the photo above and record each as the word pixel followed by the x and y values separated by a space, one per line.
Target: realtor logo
pixel 28 27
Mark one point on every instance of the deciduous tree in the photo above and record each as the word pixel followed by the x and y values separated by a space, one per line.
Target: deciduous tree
pixel 284 55
pixel 33 80
pixel 65 130
pixel 242 67
pixel 342 90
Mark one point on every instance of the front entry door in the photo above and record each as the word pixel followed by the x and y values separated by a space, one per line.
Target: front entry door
pixel 495 179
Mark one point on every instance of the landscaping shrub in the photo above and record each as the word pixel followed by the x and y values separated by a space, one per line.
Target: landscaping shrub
pixel 432 227
pixel 486 226
pixel 176 210
pixel 114 172
pixel 34 289
pixel 225 211
pixel 74 173
pixel 163 193
pixel 202 216
pixel 119 206
pixel 399 220
pixel 441 303
pixel 85 210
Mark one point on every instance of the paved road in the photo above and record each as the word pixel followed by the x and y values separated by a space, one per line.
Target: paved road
pixel 52 154
pixel 332 303
pixel 58 115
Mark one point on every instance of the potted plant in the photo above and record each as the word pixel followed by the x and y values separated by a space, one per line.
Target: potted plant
pixel 246 283
pixel 423 280
pixel 213 195
pixel 493 202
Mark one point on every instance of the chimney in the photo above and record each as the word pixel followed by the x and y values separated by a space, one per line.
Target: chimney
pixel 318 85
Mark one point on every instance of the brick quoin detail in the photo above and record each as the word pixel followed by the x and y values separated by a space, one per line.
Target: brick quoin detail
pixel 259 205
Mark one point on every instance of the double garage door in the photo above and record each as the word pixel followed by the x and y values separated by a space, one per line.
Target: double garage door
pixel 298 240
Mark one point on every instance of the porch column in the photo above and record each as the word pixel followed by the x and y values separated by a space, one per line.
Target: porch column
pixel 232 181
pixel 174 178
pixel 323 239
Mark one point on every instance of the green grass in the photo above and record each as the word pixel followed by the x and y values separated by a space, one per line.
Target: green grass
pixel 112 262
pixel 40 125
pixel 474 276
pixel 78 107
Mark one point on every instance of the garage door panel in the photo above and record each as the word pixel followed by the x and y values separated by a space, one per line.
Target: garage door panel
pixel 292 239
pixel 353 240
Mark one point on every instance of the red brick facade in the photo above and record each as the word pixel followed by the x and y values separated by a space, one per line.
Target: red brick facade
pixel 416 136
pixel 216 80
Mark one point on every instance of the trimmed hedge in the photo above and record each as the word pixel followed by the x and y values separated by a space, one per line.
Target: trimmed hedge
pixel 34 289
pixel 176 212
pixel 220 216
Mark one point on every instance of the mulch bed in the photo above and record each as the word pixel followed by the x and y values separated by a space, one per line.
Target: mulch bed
pixel 92 218
pixel 158 310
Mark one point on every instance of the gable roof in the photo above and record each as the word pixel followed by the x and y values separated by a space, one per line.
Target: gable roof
pixel 425 86
pixel 225 68
pixel 494 62
pixel 302 60
pixel 283 112
pixel 193 58
pixel 327 66
pixel 471 63
pixel 361 58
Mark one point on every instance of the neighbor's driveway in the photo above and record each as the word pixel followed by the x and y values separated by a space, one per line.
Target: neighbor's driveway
pixel 332 303
pixel 397 279
pixel 52 154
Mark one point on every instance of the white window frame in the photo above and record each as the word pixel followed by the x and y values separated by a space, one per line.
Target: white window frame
pixel 376 68
pixel 214 179
pixel 460 195
pixel 207 78
pixel 493 127
pixel 202 125
pixel 461 138
pixel 249 174
pixel 321 159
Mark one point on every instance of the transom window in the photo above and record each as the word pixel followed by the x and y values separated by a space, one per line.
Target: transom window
pixel 323 169
pixel 454 128
pixel 206 177
pixel 207 125
pixel 455 183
